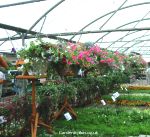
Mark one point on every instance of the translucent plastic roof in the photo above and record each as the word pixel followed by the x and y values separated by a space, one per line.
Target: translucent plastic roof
pixel 121 25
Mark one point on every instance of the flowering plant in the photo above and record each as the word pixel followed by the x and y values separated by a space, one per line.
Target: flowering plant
pixel 38 54
pixel 77 55
pixel 92 57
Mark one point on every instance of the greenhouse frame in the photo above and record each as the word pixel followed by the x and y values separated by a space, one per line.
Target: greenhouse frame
pixel 74 68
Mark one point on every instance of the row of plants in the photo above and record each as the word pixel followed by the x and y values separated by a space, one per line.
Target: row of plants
pixel 82 90
pixel 139 91
pixel 50 97
pixel 105 118
pixel 102 121
pixel 129 103
pixel 131 97
pixel 66 57
pixel 137 87
pixel 102 72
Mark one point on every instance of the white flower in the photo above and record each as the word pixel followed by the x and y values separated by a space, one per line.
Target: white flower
pixel 68 47
pixel 26 61
pixel 126 89
pixel 37 42
pixel 2 119
pixel 121 88
pixel 43 55
pixel 122 68
pixel 20 68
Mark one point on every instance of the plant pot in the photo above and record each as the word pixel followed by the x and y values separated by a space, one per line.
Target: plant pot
pixel 60 67
pixel 39 67
pixel 75 69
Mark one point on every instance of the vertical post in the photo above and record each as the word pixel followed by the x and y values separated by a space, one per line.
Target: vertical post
pixel 33 118
pixel 33 98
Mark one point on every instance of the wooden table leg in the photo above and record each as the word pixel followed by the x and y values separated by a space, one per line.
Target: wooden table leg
pixel 33 98
pixel 67 107
pixel 35 120
pixel 35 124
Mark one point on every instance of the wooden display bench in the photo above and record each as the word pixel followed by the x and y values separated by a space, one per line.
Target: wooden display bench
pixel 66 107
pixel 2 81
pixel 35 120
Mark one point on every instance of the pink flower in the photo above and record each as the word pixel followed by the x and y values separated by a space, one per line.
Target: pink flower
pixel 110 60
pixel 104 53
pixel 80 56
pixel 102 61
pixel 74 58
pixel 88 59
pixel 69 62
pixel 116 53
pixel 64 59
pixel 95 49
pixel 73 47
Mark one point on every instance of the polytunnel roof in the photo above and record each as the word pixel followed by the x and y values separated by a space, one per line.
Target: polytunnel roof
pixel 118 25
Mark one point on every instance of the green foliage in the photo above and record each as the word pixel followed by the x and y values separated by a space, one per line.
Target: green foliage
pixel 139 91
pixel 67 90
pixel 84 89
pixel 44 108
pixel 130 97
pixel 105 122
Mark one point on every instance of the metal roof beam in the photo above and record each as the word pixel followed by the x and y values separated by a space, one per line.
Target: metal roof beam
pixel 123 41
pixel 144 35
pixel 20 3
pixel 136 21
pixel 99 31
pixel 16 29
pixel 134 5
pixel 33 34
pixel 57 4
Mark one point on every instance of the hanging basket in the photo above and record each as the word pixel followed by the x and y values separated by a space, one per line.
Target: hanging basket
pixel 39 67
pixel 74 68
pixel 60 67
pixel 103 68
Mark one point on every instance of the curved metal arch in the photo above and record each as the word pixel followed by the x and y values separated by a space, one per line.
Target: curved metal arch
pixel 132 46
pixel 121 27
pixel 57 4
pixel 20 3
pixel 7 40
pixel 138 21
pixel 142 46
pixel 113 14
pixel 132 40
pixel 133 27
pixel 136 42
pixel 138 4
pixel 109 17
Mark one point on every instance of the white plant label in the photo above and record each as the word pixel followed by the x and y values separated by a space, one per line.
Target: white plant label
pixel 2 119
pixel 121 88
pixel 103 102
pixel 97 87
pixel 126 89
pixel 67 116
pixel 80 72
pixel 115 95
pixel 113 98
